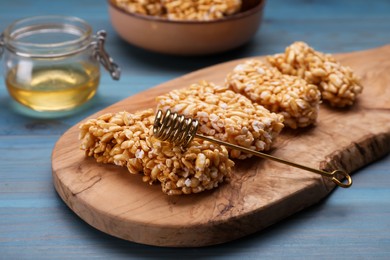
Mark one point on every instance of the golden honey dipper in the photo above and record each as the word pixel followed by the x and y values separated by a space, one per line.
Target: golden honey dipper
pixel 180 130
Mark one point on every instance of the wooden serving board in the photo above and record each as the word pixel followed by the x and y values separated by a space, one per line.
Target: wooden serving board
pixel 260 193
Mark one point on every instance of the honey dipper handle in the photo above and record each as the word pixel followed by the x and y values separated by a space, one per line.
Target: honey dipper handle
pixel 335 175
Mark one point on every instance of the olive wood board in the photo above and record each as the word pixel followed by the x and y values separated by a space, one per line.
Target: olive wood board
pixel 260 193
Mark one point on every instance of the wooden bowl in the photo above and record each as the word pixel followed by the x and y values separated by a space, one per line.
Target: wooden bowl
pixel 188 37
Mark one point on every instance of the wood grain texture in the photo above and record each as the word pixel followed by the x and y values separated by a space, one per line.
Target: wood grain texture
pixel 261 192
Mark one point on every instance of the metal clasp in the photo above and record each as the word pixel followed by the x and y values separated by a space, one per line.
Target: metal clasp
pixel 103 57
pixel 2 45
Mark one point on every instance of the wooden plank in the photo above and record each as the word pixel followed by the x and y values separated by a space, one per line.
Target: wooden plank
pixel 260 193
pixel 349 224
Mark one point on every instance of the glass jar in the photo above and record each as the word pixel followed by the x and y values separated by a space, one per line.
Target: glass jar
pixel 51 63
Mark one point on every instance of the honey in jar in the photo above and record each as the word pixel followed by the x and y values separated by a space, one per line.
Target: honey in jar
pixel 52 62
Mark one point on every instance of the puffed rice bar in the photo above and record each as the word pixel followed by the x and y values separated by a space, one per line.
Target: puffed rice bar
pixel 201 10
pixel 225 115
pixel 289 96
pixel 145 7
pixel 338 84
pixel 126 139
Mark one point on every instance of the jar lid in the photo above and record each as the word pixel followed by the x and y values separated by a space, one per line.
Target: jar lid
pixel 51 37
pixel 47 36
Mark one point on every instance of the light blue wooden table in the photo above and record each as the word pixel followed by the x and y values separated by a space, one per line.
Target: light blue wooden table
pixel 36 224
